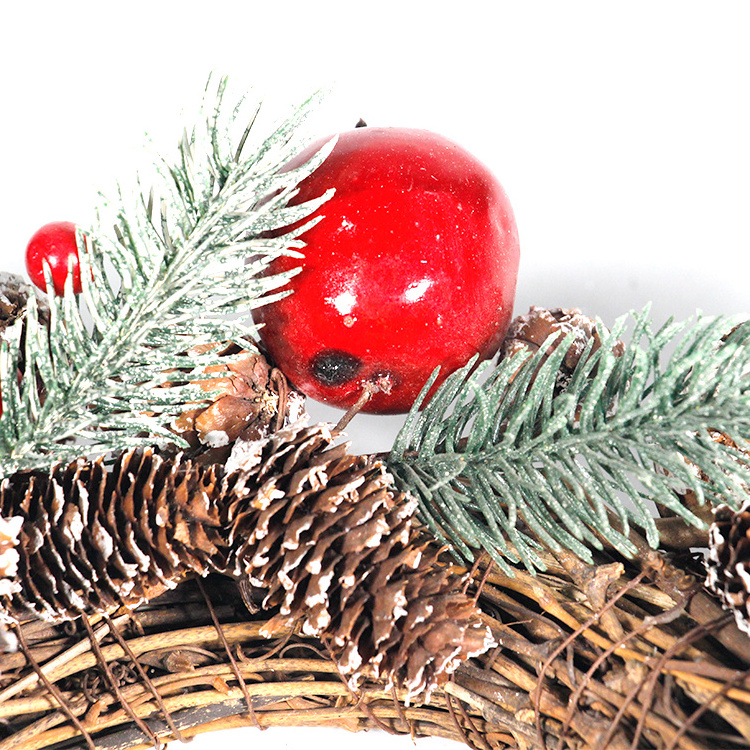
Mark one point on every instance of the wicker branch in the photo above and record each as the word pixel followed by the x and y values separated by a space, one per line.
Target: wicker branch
pixel 590 656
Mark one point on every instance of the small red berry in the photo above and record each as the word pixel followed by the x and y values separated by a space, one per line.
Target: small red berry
pixel 54 243
pixel 412 265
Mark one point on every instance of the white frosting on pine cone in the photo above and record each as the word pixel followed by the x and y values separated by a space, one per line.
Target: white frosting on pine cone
pixel 10 528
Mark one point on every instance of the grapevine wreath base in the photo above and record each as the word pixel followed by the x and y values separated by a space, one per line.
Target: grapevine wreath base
pixel 619 654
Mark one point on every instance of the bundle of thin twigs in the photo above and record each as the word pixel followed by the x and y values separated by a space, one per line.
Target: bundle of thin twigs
pixel 619 654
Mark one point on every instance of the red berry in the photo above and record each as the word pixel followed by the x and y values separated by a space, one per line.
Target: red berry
pixel 412 265
pixel 54 243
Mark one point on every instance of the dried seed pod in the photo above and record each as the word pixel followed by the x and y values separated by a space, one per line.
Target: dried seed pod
pixel 728 561
pixel 335 547
pixel 92 538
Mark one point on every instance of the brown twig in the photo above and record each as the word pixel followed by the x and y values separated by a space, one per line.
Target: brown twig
pixel 53 690
pixel 228 651
pixel 114 684
pixel 380 384
pixel 146 679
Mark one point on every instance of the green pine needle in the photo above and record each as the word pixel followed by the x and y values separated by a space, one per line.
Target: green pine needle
pixel 184 266
pixel 502 461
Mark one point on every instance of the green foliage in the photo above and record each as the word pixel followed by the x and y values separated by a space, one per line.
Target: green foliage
pixel 162 282
pixel 512 462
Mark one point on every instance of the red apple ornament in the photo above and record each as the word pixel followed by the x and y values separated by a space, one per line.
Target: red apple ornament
pixel 412 265
pixel 56 244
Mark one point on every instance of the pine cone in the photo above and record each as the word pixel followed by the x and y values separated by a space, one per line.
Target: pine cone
pixel 14 296
pixel 336 548
pixel 697 506
pixel 255 399
pixel 528 332
pixel 93 538
pixel 728 561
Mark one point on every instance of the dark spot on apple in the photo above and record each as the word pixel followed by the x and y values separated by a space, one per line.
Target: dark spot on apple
pixel 334 367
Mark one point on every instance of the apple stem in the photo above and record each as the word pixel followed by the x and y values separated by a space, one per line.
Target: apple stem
pixel 377 384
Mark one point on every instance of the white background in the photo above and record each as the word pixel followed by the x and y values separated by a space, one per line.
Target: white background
pixel 621 132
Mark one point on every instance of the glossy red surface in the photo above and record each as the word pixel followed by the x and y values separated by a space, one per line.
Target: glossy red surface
pixel 412 265
pixel 55 243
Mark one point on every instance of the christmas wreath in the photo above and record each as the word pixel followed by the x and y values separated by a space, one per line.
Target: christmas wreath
pixel 551 554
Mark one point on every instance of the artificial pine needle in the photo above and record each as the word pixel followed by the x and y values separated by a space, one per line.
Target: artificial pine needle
pixel 580 465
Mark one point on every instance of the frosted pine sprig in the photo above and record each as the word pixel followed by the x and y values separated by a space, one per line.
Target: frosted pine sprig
pixel 510 463
pixel 184 265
